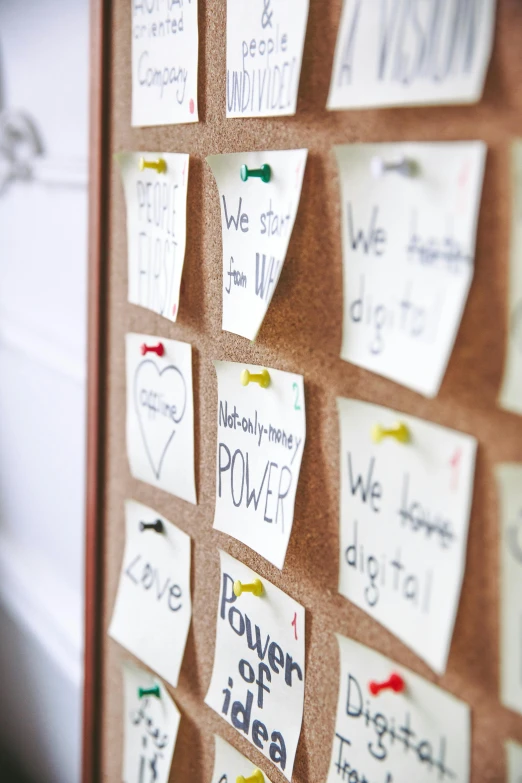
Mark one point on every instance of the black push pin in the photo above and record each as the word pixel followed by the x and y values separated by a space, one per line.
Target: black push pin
pixel 157 526
pixel 264 173
pixel 149 692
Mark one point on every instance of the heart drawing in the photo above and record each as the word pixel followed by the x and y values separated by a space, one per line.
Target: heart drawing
pixel 160 399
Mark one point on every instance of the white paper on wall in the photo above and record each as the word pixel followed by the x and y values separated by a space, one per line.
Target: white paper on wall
pixel 153 606
pixel 165 44
pixel 259 666
pixel 408 255
pixel 257 220
pixel 229 764
pixel 261 437
pixel 509 480
pixel 150 726
pixel 511 393
pixel 156 229
pixel 404 53
pixel 418 736
pixel 404 518
pixel 265 40
pixel 513 762
pixel 160 415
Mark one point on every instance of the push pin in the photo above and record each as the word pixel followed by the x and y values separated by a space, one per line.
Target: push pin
pixel 157 526
pixel 262 378
pixel 400 432
pixel 159 349
pixel 393 683
pixel 149 692
pixel 405 167
pixel 264 173
pixel 158 165
pixel 255 587
pixel 256 777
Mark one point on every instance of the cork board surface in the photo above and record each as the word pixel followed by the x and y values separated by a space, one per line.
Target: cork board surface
pixel 302 333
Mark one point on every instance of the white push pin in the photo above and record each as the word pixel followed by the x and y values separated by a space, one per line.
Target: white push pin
pixel 405 167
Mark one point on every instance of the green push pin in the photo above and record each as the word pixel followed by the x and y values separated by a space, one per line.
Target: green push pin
pixel 149 692
pixel 264 173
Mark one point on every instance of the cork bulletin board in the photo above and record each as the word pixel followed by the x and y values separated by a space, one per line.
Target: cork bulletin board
pixel 301 333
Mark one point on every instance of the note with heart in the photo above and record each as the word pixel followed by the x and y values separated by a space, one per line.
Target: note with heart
pixel 150 727
pixel 406 493
pixel 259 666
pixel 153 607
pixel 165 44
pixel 412 732
pixel 513 762
pixel 261 437
pixel 156 227
pixel 410 53
pixel 409 220
pixel 160 414
pixel 230 765
pixel 509 481
pixel 259 195
pixel 265 40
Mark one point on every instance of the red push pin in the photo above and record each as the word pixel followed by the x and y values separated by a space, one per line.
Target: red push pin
pixel 393 683
pixel 159 349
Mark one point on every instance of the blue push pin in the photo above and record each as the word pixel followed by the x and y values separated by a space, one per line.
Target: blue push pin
pixel 264 173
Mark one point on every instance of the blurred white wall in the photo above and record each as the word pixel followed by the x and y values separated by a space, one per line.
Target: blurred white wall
pixel 44 51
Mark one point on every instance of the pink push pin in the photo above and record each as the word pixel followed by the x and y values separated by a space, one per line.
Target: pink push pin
pixel 393 683
pixel 158 349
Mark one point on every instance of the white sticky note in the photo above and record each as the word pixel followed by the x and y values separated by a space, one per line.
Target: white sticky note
pixel 160 414
pixel 405 53
pixel 404 518
pixel 511 392
pixel 421 735
pixel 156 229
pixel 509 480
pixel 265 40
pixel 259 668
pixel 513 762
pixel 165 45
pixel 153 606
pixel 408 255
pixel 257 220
pixel 229 764
pixel 261 437
pixel 150 725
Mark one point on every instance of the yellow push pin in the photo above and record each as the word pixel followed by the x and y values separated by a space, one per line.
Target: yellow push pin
pixel 399 431
pixel 262 378
pixel 256 777
pixel 159 165
pixel 255 587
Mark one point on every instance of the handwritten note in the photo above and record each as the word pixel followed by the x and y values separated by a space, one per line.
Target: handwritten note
pixel 230 764
pixel 408 254
pixel 258 679
pixel 421 734
pixel 165 45
pixel 153 607
pixel 160 414
pixel 509 479
pixel 257 220
pixel 404 524
pixel 151 725
pixel 261 437
pixel 156 229
pixel 408 52
pixel 265 40
pixel 513 762
pixel 511 392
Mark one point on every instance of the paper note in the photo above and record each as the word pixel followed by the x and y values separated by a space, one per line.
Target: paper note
pixel 408 255
pixel 421 735
pixel 258 679
pixel 151 725
pixel 230 764
pixel 509 480
pixel 265 40
pixel 511 392
pixel 261 437
pixel 513 762
pixel 404 524
pixel 257 220
pixel 406 52
pixel 160 414
pixel 156 228
pixel 164 62
pixel 153 607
